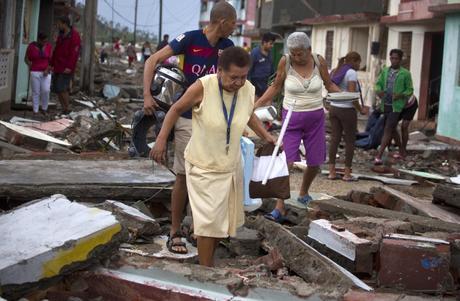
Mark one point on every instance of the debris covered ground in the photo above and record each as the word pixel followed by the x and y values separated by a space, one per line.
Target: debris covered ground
pixel 393 235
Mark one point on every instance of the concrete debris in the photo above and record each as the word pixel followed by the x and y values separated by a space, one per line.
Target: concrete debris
pixel 415 263
pixel 246 242
pixel 424 175
pixel 273 260
pixel 343 242
pixel 393 199
pixel 22 136
pixel 304 260
pixel 137 223
pixel 85 180
pixel 66 236
pixel 86 132
pixel 335 208
pixel 48 127
pixel 447 194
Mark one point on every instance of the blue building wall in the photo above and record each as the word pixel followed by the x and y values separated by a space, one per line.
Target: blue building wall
pixel 449 105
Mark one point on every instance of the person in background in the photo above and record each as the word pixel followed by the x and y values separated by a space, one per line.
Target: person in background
pixel 394 87
pixel 117 47
pixel 200 49
pixel 213 155
pixel 262 64
pixel 146 51
pixel 342 114
pixel 103 53
pixel 131 53
pixel 163 42
pixel 302 73
pixel 38 56
pixel 64 61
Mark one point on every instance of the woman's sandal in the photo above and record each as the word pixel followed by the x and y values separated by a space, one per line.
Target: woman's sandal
pixel 173 244
pixel 275 216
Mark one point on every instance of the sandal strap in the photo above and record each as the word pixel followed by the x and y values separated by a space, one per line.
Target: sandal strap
pixel 177 234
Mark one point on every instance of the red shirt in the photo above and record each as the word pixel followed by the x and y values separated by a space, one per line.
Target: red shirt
pixel 40 58
pixel 66 52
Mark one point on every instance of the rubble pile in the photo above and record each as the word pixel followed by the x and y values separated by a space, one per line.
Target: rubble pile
pixel 92 222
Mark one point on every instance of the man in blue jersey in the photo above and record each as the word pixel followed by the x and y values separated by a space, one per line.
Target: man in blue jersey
pixel 200 49
pixel 262 64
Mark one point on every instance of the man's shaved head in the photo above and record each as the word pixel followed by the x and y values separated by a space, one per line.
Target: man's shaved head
pixel 222 10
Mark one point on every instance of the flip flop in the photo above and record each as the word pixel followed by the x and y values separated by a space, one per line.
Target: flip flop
pixel 275 216
pixel 304 200
pixel 337 177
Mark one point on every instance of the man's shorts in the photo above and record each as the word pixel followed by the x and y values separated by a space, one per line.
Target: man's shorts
pixel 408 114
pixel 61 82
pixel 182 135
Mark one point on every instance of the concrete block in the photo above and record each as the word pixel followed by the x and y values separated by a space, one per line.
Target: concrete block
pixel 415 263
pixel 246 242
pixel 345 243
pixel 136 222
pixel 51 237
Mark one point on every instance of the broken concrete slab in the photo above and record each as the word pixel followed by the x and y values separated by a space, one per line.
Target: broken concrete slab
pixel 48 127
pixel 384 180
pixel 19 135
pixel 339 208
pixel 304 260
pixel 415 263
pixel 65 236
pixel 357 251
pixel 191 282
pixel 84 180
pixel 137 223
pixel 447 194
pixel 423 175
pixel 246 242
pixel 396 200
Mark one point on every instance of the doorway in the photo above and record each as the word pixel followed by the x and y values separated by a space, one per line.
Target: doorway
pixel 430 85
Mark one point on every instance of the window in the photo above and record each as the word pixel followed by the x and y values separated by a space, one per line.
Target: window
pixel 329 47
pixel 360 44
pixel 243 4
pixel 406 47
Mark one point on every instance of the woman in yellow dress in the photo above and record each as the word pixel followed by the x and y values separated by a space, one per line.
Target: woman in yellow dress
pixel 222 105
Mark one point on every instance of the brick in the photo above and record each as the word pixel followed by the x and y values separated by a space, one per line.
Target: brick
pixel 415 263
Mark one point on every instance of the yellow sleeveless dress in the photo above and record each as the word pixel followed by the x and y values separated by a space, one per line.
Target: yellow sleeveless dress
pixel 215 177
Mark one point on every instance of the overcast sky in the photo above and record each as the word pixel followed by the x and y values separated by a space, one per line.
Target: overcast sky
pixel 178 15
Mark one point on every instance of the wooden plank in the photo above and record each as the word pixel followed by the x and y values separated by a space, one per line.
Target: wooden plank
pixel 424 206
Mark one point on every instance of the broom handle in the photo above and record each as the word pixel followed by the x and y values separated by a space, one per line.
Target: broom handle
pixel 277 146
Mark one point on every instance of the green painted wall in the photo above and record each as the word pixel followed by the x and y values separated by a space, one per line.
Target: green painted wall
pixel 22 81
pixel 449 105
